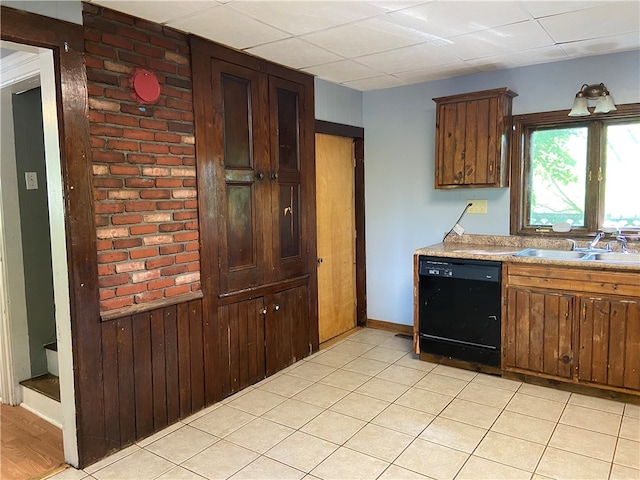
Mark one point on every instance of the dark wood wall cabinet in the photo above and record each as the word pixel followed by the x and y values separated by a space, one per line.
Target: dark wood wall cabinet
pixel 256 172
pixel 472 133
pixel 573 325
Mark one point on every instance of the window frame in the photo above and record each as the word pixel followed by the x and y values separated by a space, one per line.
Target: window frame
pixel 523 125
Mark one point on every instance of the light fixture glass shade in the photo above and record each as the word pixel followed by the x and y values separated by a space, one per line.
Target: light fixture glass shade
pixel 604 104
pixel 579 107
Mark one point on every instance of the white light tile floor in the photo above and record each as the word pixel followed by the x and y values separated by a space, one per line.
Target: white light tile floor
pixel 367 408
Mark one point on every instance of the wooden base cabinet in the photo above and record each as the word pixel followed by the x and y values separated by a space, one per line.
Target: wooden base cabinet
pixel 610 342
pixel 575 325
pixel 539 332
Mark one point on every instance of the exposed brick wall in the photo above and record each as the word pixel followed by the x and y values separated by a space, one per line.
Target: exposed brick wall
pixel 143 161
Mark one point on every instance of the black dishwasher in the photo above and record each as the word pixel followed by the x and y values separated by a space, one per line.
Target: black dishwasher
pixel 459 309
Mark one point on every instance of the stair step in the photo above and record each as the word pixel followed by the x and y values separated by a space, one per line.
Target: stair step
pixel 47 384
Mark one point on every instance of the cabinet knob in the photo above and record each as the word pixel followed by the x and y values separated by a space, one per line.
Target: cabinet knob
pixel 260 176
pixel 263 311
pixel 274 175
pixel 566 359
pixel 320 260
pixel 276 308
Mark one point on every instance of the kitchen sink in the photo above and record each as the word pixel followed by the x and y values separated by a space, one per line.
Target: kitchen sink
pixel 615 257
pixel 552 254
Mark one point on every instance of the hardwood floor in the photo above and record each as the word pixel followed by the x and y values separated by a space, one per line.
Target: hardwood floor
pixel 29 446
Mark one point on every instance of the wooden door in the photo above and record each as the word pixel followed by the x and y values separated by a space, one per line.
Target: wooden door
pixel 335 206
pixel 287 328
pixel 285 177
pixel 539 328
pixel 241 344
pixel 609 350
pixel 241 175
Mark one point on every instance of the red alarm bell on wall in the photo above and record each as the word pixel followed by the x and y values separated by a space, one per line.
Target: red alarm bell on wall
pixel 145 86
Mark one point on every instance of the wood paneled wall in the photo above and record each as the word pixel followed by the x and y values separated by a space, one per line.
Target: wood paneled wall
pixel 153 371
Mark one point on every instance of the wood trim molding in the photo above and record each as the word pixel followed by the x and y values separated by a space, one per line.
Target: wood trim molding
pixel 391 327
pixel 357 133
pixel 149 306
pixel 66 40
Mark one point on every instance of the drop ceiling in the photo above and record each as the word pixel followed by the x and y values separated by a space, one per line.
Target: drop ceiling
pixel 368 45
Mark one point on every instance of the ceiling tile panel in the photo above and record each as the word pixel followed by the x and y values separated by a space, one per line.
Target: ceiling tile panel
pixel 406 58
pixel 520 58
pixel 362 38
pixel 294 53
pixel 603 45
pixel 545 8
pixel 446 18
pixel 228 27
pixel 299 18
pixel 343 71
pixel 158 12
pixel 375 83
pixel 614 18
pixel 437 73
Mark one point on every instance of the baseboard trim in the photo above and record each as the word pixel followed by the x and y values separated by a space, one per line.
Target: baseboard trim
pixel 390 327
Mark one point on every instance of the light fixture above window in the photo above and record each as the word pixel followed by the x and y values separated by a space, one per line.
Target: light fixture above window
pixel 598 92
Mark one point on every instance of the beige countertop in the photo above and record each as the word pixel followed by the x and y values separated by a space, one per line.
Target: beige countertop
pixel 503 249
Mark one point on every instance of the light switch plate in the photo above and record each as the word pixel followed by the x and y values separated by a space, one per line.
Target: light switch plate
pixel 477 206
pixel 31 180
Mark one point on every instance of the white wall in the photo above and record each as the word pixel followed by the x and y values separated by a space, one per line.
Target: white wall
pixel 403 210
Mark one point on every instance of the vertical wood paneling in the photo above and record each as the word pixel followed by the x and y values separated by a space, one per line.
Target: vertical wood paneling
pixel 171 364
pixel 600 345
pixel 159 371
pixel 126 381
pixel 586 339
pixel 632 353
pixel 565 336
pixel 551 347
pixel 536 331
pixel 110 386
pixel 510 329
pixel 522 329
pixel 494 135
pixel 224 352
pixel 472 139
pixel 197 355
pixel 617 342
pixel 184 360
pixel 143 375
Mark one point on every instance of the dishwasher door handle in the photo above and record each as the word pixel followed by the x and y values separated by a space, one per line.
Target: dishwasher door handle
pixel 457 342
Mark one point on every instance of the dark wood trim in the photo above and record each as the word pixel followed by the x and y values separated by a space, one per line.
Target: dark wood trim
pixel 339 129
pixel 357 133
pixel 66 40
pixel 149 306
pixel 390 327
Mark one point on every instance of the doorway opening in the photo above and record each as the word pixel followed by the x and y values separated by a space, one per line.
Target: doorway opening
pixel 36 368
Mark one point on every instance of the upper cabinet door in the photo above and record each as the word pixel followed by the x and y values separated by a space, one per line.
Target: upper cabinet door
pixel 472 133
pixel 241 171
pixel 288 137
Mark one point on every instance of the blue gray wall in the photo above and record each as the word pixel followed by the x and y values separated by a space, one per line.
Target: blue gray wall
pixel 403 210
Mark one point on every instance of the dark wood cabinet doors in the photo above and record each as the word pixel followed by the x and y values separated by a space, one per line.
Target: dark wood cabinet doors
pixel 258 177
pixel 256 199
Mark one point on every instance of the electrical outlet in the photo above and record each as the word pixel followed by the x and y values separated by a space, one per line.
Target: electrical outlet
pixel 477 206
pixel 31 180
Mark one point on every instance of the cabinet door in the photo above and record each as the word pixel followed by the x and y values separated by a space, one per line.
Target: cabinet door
pixel 539 328
pixel 241 344
pixel 450 159
pixel 241 168
pixel 609 342
pixel 287 328
pixel 288 138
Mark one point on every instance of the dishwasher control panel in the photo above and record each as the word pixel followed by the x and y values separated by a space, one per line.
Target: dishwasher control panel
pixel 434 268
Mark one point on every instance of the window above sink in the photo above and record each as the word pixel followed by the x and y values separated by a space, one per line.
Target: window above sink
pixel 579 171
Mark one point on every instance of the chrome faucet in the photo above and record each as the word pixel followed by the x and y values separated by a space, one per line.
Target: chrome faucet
pixel 622 241
pixel 595 241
